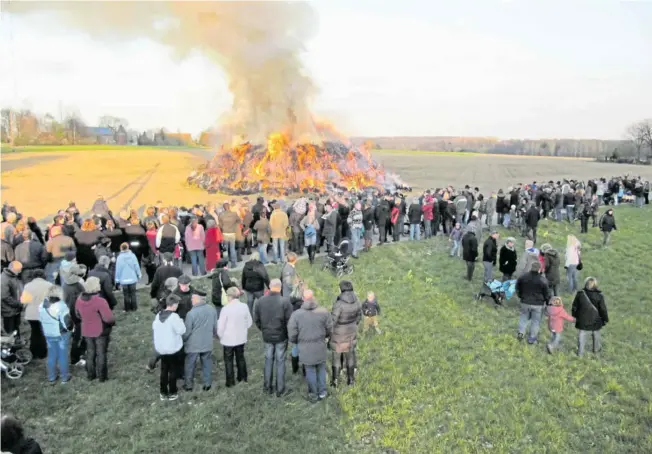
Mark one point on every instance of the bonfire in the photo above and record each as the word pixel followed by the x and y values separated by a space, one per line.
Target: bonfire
pixel 281 167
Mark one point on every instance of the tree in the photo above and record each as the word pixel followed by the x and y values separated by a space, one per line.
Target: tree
pixel 109 121
pixel 640 135
pixel 74 124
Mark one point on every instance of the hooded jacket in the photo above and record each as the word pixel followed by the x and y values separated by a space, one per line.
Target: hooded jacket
pixel 168 329
pixel 607 222
pixel 33 296
pixel 54 316
pixel 254 276
pixel 309 327
pixel 370 308
pixel 271 315
pixel 95 315
pixel 551 266
pixel 346 313
pixel 556 317
pixel 127 269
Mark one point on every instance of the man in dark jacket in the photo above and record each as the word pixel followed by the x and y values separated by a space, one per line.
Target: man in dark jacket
pixel 532 290
pixel 346 313
pixel 490 255
pixel 607 224
pixel 220 279
pixel 368 219
pixel 508 259
pixel 31 254
pixel 185 291
pixel 414 217
pixel 532 217
pixel 101 271
pixel 10 290
pixel 271 315
pixel 254 280
pixel 382 216
pixel 469 252
pixel 166 270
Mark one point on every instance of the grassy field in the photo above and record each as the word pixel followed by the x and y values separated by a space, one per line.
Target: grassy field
pixel 446 375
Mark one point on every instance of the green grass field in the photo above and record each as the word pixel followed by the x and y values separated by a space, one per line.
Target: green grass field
pixel 446 375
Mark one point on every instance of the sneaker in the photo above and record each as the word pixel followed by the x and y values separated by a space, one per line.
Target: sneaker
pixel 323 396
pixel 187 389
pixel 549 348
pixel 207 388
pixel 162 397
pixel 531 340
pixel 150 369
pixel 80 363
pixel 66 380
pixel 520 336
pixel 173 397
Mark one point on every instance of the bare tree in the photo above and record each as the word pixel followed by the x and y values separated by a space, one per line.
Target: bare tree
pixel 645 130
pixel 109 121
pixel 634 134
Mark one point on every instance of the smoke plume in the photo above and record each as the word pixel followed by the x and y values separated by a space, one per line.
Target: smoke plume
pixel 258 45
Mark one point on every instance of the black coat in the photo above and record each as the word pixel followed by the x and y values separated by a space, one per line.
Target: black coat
pixel 185 300
pixel 532 289
pixel 414 213
pixel 85 242
pixel 507 260
pixel 489 250
pixel 160 276
pixel 271 315
pixel 551 261
pixel 382 212
pixel 368 216
pixel 607 223
pixel 10 289
pixel 254 277
pixel 590 310
pixel 469 247
pixel 216 294
pixel 532 217
pixel 106 284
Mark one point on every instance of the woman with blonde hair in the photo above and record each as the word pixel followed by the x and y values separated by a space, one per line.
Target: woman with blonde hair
pixel 573 261
pixel 590 312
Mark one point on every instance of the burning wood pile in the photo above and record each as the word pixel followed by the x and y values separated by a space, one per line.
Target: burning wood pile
pixel 283 168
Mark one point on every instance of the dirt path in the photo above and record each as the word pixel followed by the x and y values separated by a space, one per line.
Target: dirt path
pixel 13 164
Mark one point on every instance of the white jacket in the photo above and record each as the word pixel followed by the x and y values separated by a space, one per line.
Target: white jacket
pixel 168 332
pixel 233 324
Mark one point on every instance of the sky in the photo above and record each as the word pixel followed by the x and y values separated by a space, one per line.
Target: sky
pixel 508 69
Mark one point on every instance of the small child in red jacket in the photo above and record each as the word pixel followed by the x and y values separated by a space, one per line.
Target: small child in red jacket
pixel 556 317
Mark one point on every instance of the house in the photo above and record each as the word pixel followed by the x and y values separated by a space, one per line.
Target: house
pixel 101 135
pixel 121 137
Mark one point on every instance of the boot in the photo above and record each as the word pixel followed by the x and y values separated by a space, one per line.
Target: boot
pixel 311 254
pixel 303 369
pixel 295 365
pixel 335 372
pixel 350 376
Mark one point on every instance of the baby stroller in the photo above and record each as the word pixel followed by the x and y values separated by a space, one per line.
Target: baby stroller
pixel 499 291
pixel 14 357
pixel 338 260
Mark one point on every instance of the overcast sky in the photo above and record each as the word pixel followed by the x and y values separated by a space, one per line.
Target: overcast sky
pixel 512 69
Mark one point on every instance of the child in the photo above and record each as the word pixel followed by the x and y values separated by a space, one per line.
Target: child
pixel 556 317
pixel 456 239
pixel 371 311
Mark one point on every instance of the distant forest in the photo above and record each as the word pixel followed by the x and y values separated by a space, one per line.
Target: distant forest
pixel 577 148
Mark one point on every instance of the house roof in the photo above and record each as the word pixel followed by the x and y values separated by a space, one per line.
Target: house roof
pixel 99 131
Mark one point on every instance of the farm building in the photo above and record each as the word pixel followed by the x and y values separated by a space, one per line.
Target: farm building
pixel 121 137
pixel 102 136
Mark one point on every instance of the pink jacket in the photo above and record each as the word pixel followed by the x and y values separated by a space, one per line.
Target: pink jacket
pixel 556 317
pixel 195 239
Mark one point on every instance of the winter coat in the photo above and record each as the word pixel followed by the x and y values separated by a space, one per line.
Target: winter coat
pixel 10 290
pixel 59 245
pixel 233 324
pixel 532 217
pixel 288 278
pixel 220 278
pixel 201 328
pixel 507 260
pixel 32 297
pixel 254 276
pixel 195 238
pixel 355 219
pixel 162 273
pixel 428 211
pixel 490 250
pixel 168 330
pixel 330 224
pixel 532 289
pixel 127 269
pixel 590 310
pixel 346 313
pixel 469 247
pixel 31 254
pixel 54 315
pixel 229 222
pixel 95 315
pixel 556 317
pixel 382 212
pixel 271 315
pixel 309 327
pixel 551 266
pixel 456 234
pixel 106 284
pixel 167 238
pixel 263 231
pixel 71 293
pixel 7 251
pixel 295 221
pixel 607 223
pixel 491 206
pixel 85 241
pixel 185 300
pixel 370 308
pixel 414 213
pixel 279 223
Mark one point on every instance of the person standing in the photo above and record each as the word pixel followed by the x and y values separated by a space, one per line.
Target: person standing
pixel 168 329
pixel 355 223
pixel 232 328
pixel 56 247
pixel 607 225
pixel 212 243
pixel 31 254
pixel 347 314
pixel 573 260
pixel 382 212
pixel 254 280
pixel 368 224
pixel 128 274
pixel 309 327
pixel 508 259
pixel 195 238
pixel 469 253
pixel 96 322
pixel 414 216
pixel 551 267
pixel 263 235
pixel 532 217
pixel 167 236
pixel 55 322
pixel 10 290
pixel 289 276
pixel 271 315
pixel 201 328
pixel 166 270
pixel 428 215
pixel 532 290
pixel 489 256
pixel 330 227
pixel 310 226
pixel 101 271
pixel 279 224
pixel 590 312
pixel 32 297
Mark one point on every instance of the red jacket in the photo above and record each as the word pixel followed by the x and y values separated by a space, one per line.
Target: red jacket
pixel 94 313
pixel 427 211
pixel 556 317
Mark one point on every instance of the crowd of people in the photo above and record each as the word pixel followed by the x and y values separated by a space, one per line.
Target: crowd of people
pixel 63 277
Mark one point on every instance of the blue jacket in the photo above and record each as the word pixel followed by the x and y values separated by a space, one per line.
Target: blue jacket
pixel 127 269
pixel 53 316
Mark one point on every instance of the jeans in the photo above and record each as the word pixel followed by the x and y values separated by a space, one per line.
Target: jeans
pixel 555 341
pixel 206 359
pixel 558 217
pixel 96 361
pixel 470 268
pixel 52 269
pixel 262 251
pixel 533 235
pixel 570 215
pixel 251 299
pixel 530 314
pixel 230 353
pixel 279 249
pixel 356 236
pixel 170 366
pixel 316 378
pixel 415 232
pixel 233 255
pixel 58 355
pixel 455 250
pixel 131 301
pixel 571 275
pixel 581 341
pixel 506 220
pixel 198 263
pixel 488 271
pixel 275 352
pixel 428 228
